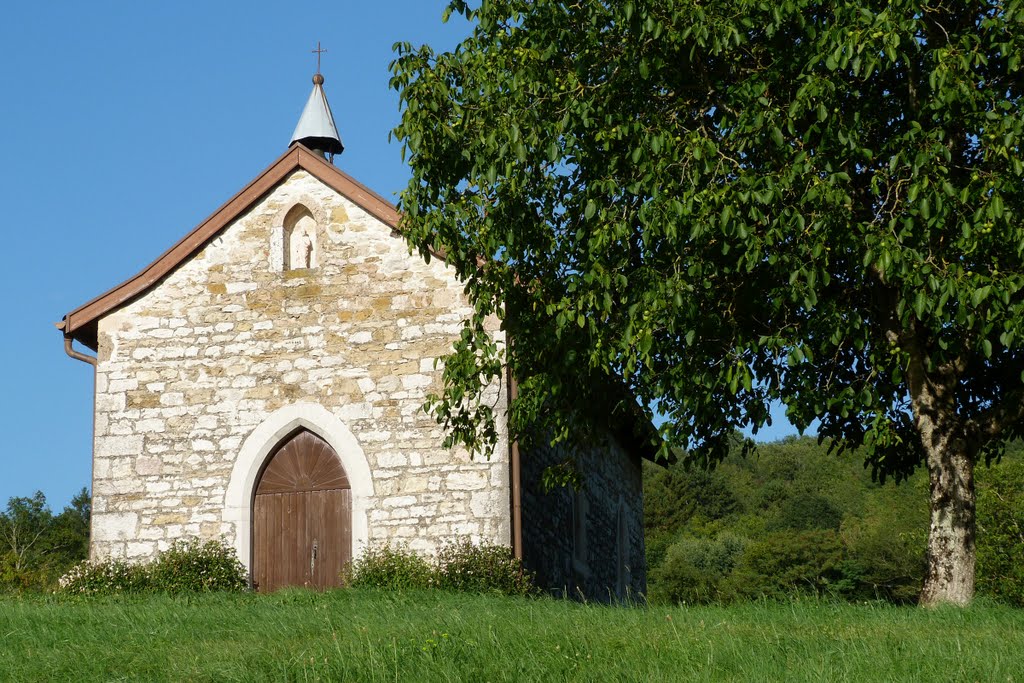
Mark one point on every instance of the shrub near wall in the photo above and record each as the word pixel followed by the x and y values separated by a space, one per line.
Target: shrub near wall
pixel 390 567
pixel 187 566
pixel 106 576
pixel 460 566
pixel 463 566
pixel 194 566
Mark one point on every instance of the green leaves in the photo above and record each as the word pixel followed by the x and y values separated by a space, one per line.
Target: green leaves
pixel 723 205
pixel 980 294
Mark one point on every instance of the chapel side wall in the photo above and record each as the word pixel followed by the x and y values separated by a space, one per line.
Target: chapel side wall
pixel 187 372
pixel 611 486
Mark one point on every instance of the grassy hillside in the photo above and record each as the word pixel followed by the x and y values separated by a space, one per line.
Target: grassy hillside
pixel 363 635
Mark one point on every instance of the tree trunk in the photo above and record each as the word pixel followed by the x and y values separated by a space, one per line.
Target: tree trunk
pixel 951 537
pixel 950 456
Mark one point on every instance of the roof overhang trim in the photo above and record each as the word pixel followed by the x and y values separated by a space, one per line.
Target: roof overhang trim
pixel 82 323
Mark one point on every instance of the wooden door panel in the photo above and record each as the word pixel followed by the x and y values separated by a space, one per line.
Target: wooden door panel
pixel 276 541
pixel 260 538
pixel 329 532
pixel 302 519
pixel 344 535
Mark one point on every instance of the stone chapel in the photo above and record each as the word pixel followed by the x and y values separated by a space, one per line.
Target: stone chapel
pixel 262 382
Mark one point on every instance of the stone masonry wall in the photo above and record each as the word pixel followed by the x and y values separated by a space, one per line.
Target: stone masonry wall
pixel 604 559
pixel 189 370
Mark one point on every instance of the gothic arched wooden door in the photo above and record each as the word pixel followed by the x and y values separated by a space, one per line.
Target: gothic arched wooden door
pixel 302 517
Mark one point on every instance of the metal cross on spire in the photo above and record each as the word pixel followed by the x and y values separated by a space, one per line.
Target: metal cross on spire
pixel 318 52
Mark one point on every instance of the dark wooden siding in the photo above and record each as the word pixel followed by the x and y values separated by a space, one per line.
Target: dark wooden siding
pixel 573 540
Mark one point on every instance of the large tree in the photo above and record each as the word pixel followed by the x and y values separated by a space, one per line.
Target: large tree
pixel 728 203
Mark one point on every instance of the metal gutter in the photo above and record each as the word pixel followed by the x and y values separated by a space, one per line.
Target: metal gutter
pixel 77 355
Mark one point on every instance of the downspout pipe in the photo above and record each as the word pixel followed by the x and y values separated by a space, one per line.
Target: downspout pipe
pixel 91 360
pixel 77 355
pixel 516 477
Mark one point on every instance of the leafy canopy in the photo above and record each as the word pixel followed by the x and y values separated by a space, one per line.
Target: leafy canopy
pixel 725 203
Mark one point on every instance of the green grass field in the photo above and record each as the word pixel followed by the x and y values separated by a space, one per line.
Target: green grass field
pixel 434 636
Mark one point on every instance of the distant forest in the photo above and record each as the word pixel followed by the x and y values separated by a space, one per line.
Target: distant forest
pixel 38 546
pixel 792 519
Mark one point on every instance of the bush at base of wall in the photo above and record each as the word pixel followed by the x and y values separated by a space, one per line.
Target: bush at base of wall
pixel 186 567
pixel 460 565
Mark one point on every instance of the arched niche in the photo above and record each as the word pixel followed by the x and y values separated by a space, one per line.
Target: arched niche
pixel 300 239
pixel 296 235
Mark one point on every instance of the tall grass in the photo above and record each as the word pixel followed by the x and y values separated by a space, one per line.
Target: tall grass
pixel 363 635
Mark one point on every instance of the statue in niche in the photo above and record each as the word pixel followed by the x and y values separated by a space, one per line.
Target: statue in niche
pixel 302 244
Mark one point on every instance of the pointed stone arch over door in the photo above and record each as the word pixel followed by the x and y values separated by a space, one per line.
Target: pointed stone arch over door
pixel 302 516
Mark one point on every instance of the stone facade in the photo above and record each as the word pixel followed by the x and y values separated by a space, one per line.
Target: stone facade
pixel 298 306
pixel 587 542
pixel 190 375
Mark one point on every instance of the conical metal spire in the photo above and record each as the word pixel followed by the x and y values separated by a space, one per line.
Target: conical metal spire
pixel 316 128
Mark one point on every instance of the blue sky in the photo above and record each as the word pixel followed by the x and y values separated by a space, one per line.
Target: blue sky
pixel 125 125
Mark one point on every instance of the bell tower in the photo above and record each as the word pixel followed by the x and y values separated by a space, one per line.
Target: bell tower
pixel 316 129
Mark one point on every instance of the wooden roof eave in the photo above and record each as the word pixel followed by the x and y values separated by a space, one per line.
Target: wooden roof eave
pixel 81 323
